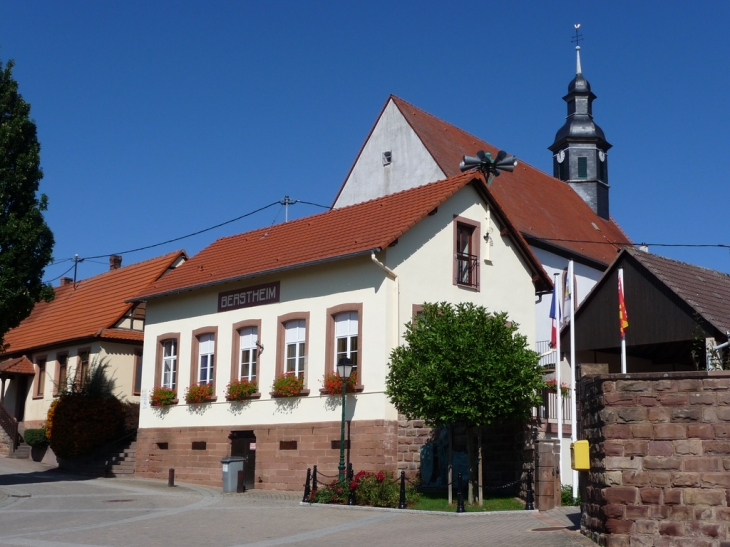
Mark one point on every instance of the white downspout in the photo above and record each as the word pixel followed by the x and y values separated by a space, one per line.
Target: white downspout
pixel 390 273
pixel 712 351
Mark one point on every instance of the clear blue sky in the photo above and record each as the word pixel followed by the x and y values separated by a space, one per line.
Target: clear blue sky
pixel 157 119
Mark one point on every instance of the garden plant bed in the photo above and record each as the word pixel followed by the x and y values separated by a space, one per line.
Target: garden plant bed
pixel 439 502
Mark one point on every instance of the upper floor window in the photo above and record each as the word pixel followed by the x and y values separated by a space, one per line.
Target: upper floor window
pixel 82 372
pixel 346 342
pixel 294 342
pixel 466 247
pixel 41 377
pixel 169 364
pixel 248 353
pixel 206 358
pixel 62 361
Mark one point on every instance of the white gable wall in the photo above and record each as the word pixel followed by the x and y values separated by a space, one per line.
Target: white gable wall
pixel 412 165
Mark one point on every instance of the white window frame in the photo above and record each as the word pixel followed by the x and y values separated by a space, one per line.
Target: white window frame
pixel 248 342
pixel 206 358
pixel 346 330
pixel 295 334
pixel 169 363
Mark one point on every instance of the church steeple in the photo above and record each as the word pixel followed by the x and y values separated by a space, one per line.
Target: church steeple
pixel 579 149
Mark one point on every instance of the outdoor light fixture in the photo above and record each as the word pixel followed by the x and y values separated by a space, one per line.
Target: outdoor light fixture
pixel 344 369
pixel 490 167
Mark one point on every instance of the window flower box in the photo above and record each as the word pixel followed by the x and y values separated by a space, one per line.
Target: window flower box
pixel 241 390
pixel 332 384
pixel 199 393
pixel 288 385
pixel 163 396
pixel 551 386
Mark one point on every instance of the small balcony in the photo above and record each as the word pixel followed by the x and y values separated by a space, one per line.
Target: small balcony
pixel 467 270
pixel 547 412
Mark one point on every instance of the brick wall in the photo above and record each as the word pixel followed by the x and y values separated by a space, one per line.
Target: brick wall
pixel 373 448
pixel 412 435
pixel 4 442
pixel 660 459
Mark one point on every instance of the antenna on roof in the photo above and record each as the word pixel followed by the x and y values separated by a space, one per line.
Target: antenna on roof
pixel 286 202
pixel 76 265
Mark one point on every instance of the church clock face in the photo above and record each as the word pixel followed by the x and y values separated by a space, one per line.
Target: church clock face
pixel 601 155
pixel 561 156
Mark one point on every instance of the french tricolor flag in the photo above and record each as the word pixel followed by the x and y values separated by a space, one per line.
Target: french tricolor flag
pixel 556 316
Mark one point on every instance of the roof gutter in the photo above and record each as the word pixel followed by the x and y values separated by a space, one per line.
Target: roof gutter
pixel 146 297
pixel 396 300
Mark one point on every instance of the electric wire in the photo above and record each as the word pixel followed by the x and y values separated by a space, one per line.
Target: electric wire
pixel 186 236
pixel 60 276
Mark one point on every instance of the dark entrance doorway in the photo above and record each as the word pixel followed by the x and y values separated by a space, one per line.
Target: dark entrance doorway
pixel 243 443
pixel 21 392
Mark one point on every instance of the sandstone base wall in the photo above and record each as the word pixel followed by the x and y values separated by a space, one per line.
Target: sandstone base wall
pixel 373 447
pixel 660 459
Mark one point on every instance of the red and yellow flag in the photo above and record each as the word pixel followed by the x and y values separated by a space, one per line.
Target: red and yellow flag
pixel 623 318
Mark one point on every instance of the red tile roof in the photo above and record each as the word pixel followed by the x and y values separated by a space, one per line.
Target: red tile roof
pixel 122 334
pixel 539 206
pixel 341 233
pixel 97 303
pixel 19 365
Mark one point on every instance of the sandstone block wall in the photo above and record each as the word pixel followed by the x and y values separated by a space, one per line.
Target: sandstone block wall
pixel 373 448
pixel 660 459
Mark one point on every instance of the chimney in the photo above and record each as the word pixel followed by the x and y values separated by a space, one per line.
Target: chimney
pixel 115 262
pixel 66 281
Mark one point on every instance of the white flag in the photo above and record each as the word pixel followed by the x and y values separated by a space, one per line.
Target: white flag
pixel 568 292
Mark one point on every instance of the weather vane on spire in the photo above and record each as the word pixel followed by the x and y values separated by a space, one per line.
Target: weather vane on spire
pixel 578 37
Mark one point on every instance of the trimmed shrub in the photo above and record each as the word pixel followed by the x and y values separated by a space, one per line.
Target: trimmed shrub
pixel 85 416
pixel 36 437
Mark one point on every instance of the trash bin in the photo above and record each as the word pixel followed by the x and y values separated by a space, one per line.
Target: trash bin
pixel 231 466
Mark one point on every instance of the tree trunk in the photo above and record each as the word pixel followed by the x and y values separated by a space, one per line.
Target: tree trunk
pixel 450 486
pixel 480 466
pixel 471 458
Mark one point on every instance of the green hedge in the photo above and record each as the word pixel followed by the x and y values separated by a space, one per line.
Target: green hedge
pixel 36 437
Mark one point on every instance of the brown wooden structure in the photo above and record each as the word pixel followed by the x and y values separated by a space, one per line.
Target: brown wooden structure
pixel 674 310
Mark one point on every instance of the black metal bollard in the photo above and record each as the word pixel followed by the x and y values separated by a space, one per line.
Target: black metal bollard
pixel 241 483
pixel 314 480
pixel 402 501
pixel 306 485
pixel 529 495
pixel 350 491
pixel 460 497
pixel 171 477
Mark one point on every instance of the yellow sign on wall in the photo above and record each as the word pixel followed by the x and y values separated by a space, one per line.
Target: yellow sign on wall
pixel 580 459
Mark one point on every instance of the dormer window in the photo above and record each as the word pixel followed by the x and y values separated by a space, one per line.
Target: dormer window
pixel 387 157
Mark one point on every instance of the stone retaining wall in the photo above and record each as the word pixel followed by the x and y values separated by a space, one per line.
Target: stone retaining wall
pixel 660 459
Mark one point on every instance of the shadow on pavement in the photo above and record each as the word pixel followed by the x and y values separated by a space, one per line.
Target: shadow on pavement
pixel 575 520
pixel 51 475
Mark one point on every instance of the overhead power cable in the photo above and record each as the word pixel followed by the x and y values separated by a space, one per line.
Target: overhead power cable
pixel 188 235
pixel 624 244
pixel 60 276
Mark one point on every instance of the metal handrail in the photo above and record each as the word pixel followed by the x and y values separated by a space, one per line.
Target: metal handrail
pixel 467 270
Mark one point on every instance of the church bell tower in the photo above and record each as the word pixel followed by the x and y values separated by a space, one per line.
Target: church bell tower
pixel 580 150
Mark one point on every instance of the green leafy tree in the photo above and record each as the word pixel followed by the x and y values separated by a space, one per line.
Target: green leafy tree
pixel 463 364
pixel 26 242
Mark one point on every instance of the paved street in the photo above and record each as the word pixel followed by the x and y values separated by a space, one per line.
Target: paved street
pixel 42 507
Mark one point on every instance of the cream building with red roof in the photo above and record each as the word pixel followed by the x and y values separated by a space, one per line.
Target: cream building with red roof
pixel 86 320
pixel 294 298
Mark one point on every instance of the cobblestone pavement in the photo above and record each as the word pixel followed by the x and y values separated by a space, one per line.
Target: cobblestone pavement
pixel 42 507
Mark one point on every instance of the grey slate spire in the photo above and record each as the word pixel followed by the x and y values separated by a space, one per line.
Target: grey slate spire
pixel 580 148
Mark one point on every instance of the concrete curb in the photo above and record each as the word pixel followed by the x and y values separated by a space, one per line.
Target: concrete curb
pixel 416 511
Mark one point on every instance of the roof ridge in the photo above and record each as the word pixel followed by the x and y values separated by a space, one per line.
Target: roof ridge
pixel 338 210
pixel 128 266
pixel 634 250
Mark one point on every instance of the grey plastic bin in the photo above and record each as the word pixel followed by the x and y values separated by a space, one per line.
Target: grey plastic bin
pixel 231 466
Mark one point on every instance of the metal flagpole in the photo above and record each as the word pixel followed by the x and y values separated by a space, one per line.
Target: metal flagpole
pixel 559 398
pixel 573 392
